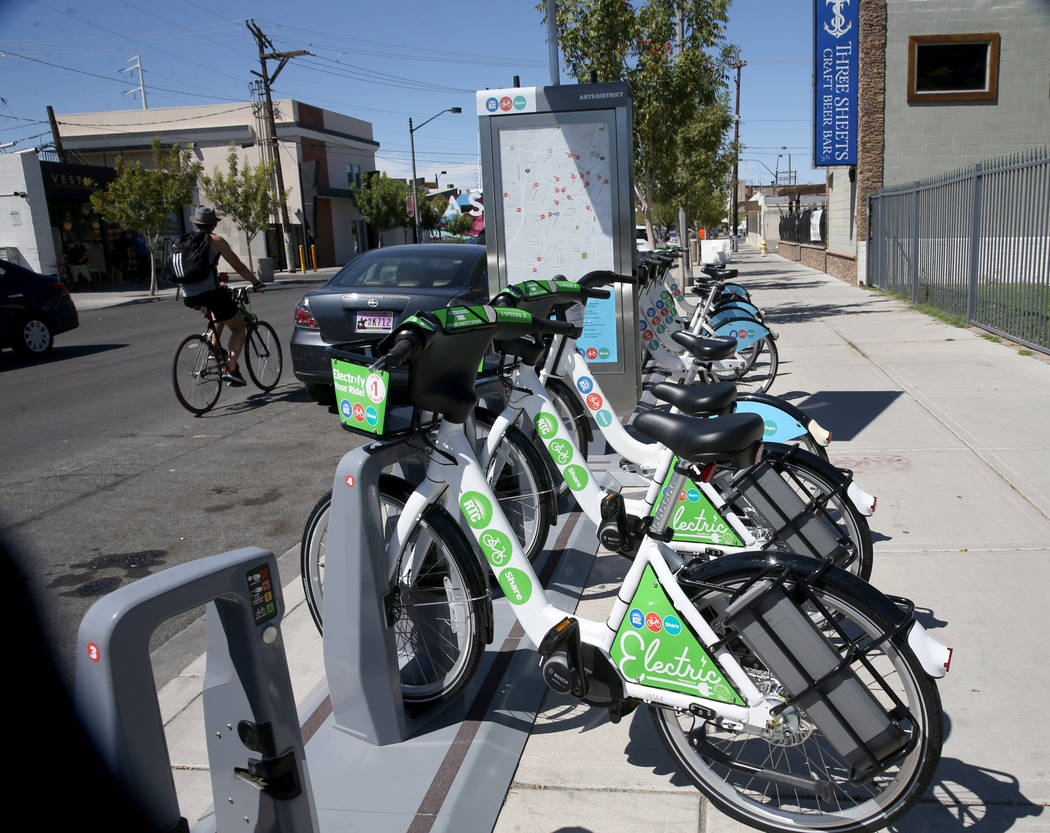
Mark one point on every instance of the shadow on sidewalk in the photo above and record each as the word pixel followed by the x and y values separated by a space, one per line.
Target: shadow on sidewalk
pixel 845 413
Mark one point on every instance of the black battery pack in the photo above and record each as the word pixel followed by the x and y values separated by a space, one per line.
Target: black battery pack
pixel 810 669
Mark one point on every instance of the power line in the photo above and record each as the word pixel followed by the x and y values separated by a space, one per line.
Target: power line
pixel 106 77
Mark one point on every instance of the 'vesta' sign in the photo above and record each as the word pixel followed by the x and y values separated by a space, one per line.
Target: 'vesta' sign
pixel 836 51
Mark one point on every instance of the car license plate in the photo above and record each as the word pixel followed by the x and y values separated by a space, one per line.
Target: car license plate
pixel 375 322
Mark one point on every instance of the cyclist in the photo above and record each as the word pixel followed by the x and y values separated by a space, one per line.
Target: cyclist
pixel 216 299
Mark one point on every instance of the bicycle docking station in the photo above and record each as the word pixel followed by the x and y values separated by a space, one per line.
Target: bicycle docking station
pixel 255 746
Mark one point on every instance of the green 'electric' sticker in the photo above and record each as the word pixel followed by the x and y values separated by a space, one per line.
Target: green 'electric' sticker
pixel 694 519
pixel 655 647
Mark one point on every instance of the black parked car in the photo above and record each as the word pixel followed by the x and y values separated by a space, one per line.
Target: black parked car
pixel 33 310
pixel 374 293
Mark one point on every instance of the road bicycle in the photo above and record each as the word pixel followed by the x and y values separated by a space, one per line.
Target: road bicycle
pixel 200 359
pixel 793 694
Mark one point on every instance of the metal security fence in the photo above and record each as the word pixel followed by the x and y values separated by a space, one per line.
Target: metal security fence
pixel 973 242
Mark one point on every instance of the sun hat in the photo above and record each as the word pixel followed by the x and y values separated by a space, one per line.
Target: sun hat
pixel 205 216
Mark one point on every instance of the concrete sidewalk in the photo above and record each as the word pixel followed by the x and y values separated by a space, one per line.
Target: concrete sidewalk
pixel 92 299
pixel 949 430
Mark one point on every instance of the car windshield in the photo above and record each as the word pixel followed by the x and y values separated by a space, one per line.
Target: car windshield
pixel 447 268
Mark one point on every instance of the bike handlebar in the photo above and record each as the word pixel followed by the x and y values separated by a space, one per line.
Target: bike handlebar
pixel 603 277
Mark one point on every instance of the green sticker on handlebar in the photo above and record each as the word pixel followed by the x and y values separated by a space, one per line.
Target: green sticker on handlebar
pixel 361 396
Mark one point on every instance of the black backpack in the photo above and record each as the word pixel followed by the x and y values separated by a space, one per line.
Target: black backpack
pixel 190 260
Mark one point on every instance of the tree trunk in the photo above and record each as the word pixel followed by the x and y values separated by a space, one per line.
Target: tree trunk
pixel 249 239
pixel 151 245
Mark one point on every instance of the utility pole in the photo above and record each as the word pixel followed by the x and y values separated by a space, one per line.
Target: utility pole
pixel 55 137
pixel 264 42
pixel 683 225
pixel 141 88
pixel 736 142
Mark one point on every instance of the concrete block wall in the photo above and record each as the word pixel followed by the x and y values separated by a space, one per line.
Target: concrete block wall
pixel 922 140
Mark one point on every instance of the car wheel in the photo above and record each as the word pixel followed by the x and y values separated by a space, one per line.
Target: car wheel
pixel 34 337
pixel 324 394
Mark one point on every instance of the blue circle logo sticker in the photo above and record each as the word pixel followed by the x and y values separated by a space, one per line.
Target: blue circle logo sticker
pixel 492 105
pixel 519 102
pixel 585 384
pixel 371 416
pixel 771 427
pixel 345 408
pixel 636 618
pixel 672 625
pixel 651 312
pixel 692 495
pixel 603 418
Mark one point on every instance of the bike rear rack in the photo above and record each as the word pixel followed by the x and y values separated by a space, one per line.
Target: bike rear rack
pixel 804 525
pixel 765 615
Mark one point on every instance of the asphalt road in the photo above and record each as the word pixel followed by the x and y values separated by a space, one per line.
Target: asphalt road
pixel 106 478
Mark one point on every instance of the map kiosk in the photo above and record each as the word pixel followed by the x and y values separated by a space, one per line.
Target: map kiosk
pixel 557 167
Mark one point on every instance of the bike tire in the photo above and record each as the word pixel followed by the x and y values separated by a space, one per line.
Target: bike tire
pixel 819 477
pixel 707 753
pixel 263 355
pixel 761 364
pixel 441 621
pixel 577 422
pixel 523 485
pixel 197 381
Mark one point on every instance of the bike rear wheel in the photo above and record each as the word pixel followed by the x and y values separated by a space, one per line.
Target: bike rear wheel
pixel 262 355
pixel 822 487
pixel 196 374
pixel 439 615
pixel 732 767
pixel 759 370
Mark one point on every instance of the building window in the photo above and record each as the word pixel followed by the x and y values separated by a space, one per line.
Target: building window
pixel 353 176
pixel 953 68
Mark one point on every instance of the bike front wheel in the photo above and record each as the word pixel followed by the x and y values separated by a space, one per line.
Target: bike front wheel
pixel 262 355
pixel 522 483
pixel 754 777
pixel 196 374
pixel 439 614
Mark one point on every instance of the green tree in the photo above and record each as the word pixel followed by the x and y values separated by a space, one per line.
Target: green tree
pixel 382 203
pixel 245 194
pixel 429 212
pixel 144 198
pixel 678 84
pixel 459 224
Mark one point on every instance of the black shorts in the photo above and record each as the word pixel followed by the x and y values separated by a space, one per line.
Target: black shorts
pixel 219 302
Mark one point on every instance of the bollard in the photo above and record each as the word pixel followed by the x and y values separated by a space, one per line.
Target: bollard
pixel 313 255
pixel 762 246
pixel 302 257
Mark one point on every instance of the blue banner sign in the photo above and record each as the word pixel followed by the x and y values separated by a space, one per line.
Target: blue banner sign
pixel 836 42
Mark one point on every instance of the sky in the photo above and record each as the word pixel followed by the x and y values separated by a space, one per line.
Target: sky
pixel 375 61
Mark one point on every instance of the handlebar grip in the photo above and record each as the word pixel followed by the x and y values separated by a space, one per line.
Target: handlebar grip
pixel 603 277
pixel 557 328
pixel 406 344
pixel 586 292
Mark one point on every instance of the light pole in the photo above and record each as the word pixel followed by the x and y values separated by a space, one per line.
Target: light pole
pixel 437 180
pixel 416 229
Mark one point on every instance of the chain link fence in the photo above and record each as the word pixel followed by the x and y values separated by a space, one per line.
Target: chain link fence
pixel 974 243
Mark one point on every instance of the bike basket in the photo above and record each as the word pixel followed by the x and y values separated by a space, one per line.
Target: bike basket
pixel 374 404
